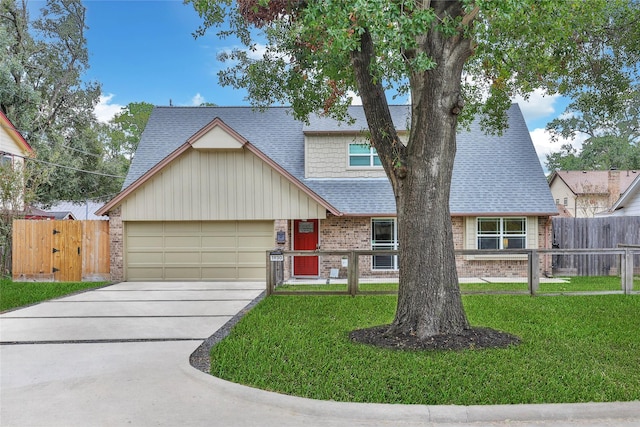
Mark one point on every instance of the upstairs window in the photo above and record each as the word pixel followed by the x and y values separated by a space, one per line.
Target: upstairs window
pixel 363 155
pixel 502 233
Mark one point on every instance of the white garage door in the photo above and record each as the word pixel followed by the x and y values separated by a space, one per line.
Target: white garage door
pixel 211 250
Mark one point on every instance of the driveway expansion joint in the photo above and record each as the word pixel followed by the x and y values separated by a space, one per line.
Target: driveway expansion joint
pixel 100 341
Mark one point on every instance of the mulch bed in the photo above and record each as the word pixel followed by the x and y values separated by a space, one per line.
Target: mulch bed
pixel 473 338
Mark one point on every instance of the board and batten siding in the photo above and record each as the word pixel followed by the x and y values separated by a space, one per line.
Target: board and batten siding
pixel 203 185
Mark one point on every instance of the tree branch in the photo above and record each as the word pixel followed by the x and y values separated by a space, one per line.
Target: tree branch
pixel 466 19
pixel 384 136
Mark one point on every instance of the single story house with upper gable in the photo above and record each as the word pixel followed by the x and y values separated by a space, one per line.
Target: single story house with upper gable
pixel 211 189
pixel 585 194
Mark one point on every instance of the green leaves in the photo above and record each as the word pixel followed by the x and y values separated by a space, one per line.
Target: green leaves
pixel 43 93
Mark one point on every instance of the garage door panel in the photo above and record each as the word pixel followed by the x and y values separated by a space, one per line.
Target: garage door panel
pixel 221 273
pixel 219 241
pixel 145 258
pixel 182 227
pixel 225 257
pixel 182 258
pixel 254 227
pixel 214 250
pixel 256 257
pixel 148 228
pixel 251 242
pixel 140 242
pixel 219 226
pixel 181 273
pixel 247 273
pixel 182 241
pixel 134 273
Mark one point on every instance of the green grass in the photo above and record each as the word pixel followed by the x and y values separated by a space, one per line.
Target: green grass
pixel 575 284
pixel 574 349
pixel 19 294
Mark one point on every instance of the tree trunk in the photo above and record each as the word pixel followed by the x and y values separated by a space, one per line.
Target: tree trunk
pixel 429 301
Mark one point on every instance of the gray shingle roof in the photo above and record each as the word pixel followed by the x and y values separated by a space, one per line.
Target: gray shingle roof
pixel 499 175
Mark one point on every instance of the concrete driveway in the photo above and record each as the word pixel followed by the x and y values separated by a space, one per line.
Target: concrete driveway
pixel 119 356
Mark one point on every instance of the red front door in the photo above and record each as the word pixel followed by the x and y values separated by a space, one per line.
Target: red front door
pixel 305 238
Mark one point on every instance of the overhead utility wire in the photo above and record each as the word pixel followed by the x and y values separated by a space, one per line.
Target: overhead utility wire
pixel 60 166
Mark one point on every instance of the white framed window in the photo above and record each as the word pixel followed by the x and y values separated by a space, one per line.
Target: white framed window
pixel 502 233
pixel 363 155
pixel 384 236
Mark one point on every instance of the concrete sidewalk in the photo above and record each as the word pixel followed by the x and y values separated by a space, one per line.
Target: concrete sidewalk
pixel 120 356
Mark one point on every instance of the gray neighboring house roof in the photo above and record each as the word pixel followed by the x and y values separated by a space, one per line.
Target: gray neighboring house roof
pixel 491 175
pixel 79 210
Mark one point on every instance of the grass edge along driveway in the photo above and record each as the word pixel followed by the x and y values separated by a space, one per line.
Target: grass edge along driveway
pixel 574 349
pixel 20 294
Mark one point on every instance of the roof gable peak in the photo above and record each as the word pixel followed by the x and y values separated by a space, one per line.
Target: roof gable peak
pixel 217 135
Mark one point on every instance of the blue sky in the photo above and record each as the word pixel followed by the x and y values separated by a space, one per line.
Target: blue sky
pixel 143 50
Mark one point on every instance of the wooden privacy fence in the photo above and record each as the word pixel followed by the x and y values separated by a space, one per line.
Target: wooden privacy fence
pixel 60 251
pixel 593 233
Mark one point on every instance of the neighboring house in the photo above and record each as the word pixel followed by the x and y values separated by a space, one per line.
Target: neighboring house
pixel 38 214
pixel 587 193
pixel 211 189
pixel 13 149
pixel 67 210
pixel 77 210
pixel 629 203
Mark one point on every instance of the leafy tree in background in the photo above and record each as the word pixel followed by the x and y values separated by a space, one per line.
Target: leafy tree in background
pixel 456 59
pixel 613 137
pixel 43 94
pixel 123 134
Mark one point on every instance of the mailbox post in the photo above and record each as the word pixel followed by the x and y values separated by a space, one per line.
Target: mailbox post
pixel 275 270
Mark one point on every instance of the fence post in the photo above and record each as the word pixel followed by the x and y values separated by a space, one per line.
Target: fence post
pixel 627 283
pixel 356 273
pixel 533 271
pixel 270 280
pixel 351 276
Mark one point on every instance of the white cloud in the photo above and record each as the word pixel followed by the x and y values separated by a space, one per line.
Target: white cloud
pixel 104 110
pixel 256 53
pixel 538 105
pixel 197 100
pixel 542 142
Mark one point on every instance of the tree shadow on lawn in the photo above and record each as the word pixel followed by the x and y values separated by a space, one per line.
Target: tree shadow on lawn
pixel 472 338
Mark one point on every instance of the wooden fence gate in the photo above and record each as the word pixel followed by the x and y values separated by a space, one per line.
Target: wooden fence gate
pixel 60 251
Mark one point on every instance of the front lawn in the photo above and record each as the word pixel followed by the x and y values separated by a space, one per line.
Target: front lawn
pixel 18 294
pixel 574 349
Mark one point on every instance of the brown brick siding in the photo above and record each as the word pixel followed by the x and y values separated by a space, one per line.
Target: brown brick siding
pixel 348 233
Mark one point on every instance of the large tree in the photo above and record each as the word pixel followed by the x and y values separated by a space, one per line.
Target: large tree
pixel 42 91
pixel 456 59
pixel 612 137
